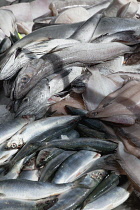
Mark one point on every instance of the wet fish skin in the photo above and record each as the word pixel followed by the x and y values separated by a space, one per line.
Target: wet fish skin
pixel 35 37
pixel 104 146
pixel 32 175
pixel 46 125
pixel 79 162
pixel 110 182
pixel 42 189
pixel 83 53
pixel 99 125
pixel 111 199
pixel 34 145
pixel 51 167
pixel 127 37
pixel 85 32
pixel 76 111
pixel 85 131
pixel 12 204
pixel 10 128
pixel 46 155
pixel 74 197
pixel 37 105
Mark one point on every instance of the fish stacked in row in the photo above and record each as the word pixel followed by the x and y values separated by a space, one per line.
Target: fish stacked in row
pixel 45 164
pixel 86 65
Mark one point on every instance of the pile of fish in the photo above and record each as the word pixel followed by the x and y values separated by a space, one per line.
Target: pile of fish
pixel 69 104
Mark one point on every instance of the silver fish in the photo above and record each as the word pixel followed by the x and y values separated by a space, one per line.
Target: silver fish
pixel 111 199
pixel 74 166
pixel 38 128
pixel 32 190
pixel 11 127
pixel 70 55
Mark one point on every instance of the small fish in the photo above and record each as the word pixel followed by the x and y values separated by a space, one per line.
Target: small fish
pixel 79 162
pixel 42 189
pixel 92 144
pixel 111 199
pixel 11 127
pixel 73 198
pixel 110 182
pixel 46 125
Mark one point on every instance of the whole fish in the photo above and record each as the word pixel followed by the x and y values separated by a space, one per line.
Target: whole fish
pixel 111 199
pixel 94 144
pixel 32 190
pixel 39 128
pixel 75 197
pixel 79 163
pixel 82 53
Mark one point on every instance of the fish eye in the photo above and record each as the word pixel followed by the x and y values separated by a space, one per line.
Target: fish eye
pixel 25 79
pixel 13 145
pixel 25 100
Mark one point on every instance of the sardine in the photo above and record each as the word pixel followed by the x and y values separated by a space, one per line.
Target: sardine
pixel 32 190
pixel 111 199
pixel 79 162
pixel 93 144
pixel 39 128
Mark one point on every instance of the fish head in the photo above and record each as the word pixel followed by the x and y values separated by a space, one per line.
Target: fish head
pixel 98 174
pixel 15 142
pixel 25 76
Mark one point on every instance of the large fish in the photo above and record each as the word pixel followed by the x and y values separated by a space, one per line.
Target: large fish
pixel 70 55
pixel 37 105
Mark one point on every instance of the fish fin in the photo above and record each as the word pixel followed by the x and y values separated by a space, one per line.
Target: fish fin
pixel 123 10
pixel 78 183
